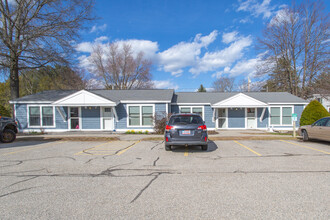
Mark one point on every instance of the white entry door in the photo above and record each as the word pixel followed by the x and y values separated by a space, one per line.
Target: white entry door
pixel 108 123
pixel 251 118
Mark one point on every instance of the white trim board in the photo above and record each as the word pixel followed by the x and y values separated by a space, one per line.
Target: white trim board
pixel 143 101
pixel 139 105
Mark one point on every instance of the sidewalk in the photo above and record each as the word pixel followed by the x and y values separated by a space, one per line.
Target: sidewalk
pixel 108 136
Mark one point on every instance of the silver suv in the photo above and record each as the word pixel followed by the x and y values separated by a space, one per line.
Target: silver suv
pixel 184 130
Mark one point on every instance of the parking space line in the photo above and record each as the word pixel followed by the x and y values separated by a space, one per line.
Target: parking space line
pixel 305 146
pixel 100 145
pixel 186 152
pixel 248 148
pixel 32 148
pixel 125 149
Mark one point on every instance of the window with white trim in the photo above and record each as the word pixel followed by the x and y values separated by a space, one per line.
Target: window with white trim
pixel 41 116
pixel 192 109
pixel 281 115
pixel 140 115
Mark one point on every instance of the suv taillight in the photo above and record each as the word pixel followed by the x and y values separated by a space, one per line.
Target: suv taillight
pixel 168 127
pixel 203 127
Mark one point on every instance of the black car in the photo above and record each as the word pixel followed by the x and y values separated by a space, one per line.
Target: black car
pixel 184 130
pixel 8 129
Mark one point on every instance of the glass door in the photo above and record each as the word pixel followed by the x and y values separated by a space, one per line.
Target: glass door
pixel 107 118
pixel 222 118
pixel 251 118
pixel 74 118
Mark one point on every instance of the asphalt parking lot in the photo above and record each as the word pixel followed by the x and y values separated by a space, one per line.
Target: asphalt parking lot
pixel 244 179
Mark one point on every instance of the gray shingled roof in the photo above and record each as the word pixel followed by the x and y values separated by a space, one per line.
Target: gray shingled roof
pixel 113 95
pixel 215 97
pixel 50 95
pixel 165 95
pixel 136 95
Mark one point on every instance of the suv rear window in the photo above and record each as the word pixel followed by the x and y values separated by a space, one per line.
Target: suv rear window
pixel 185 119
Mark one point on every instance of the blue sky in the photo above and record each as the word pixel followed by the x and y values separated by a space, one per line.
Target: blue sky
pixel 190 42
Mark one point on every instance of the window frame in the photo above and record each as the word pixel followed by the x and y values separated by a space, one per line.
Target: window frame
pixel 140 115
pixel 281 115
pixel 40 117
pixel 191 107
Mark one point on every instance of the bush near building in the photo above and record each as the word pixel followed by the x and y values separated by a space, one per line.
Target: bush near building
pixel 4 111
pixel 313 112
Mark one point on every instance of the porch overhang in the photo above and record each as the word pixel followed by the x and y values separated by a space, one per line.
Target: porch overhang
pixel 240 101
pixel 84 98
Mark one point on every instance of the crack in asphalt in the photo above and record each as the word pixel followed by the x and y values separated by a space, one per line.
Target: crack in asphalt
pixel 19 162
pixel 155 161
pixel 156 145
pixel 17 191
pixel 16 163
pixel 146 187
pixel 22 181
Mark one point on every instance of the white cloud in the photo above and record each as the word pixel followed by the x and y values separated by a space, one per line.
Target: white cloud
pixel 149 48
pixel 257 8
pixel 86 47
pixel 184 54
pixel 229 37
pixel 165 84
pixel 282 15
pixel 245 20
pixel 214 60
pixel 102 39
pixel 96 28
pixel 244 67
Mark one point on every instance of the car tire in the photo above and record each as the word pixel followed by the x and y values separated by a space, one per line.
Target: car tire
pixel 168 147
pixel 305 135
pixel 204 147
pixel 8 136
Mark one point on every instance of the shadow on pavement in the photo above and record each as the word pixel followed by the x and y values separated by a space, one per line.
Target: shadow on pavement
pixel 211 147
pixel 22 143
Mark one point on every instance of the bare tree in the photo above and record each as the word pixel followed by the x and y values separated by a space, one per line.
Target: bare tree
pixel 246 86
pixel 297 44
pixel 35 33
pixel 223 84
pixel 119 69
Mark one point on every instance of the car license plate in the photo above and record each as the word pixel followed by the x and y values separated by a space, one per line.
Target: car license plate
pixel 185 132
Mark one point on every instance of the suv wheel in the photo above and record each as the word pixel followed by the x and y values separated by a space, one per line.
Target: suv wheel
pixel 168 147
pixel 8 136
pixel 305 135
pixel 204 147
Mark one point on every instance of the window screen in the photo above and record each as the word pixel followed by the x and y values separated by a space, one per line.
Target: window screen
pixel 134 115
pixel 185 110
pixel 287 115
pixel 275 115
pixel 34 116
pixel 47 116
pixel 198 110
pixel 146 115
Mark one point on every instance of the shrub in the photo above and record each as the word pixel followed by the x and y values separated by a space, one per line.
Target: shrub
pixel 160 122
pixel 313 112
pixel 130 132
pixel 4 111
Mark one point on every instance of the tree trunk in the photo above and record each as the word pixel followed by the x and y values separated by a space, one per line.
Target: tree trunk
pixel 14 79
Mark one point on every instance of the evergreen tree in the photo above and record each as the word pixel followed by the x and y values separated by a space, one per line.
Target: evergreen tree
pixel 313 112
pixel 201 89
